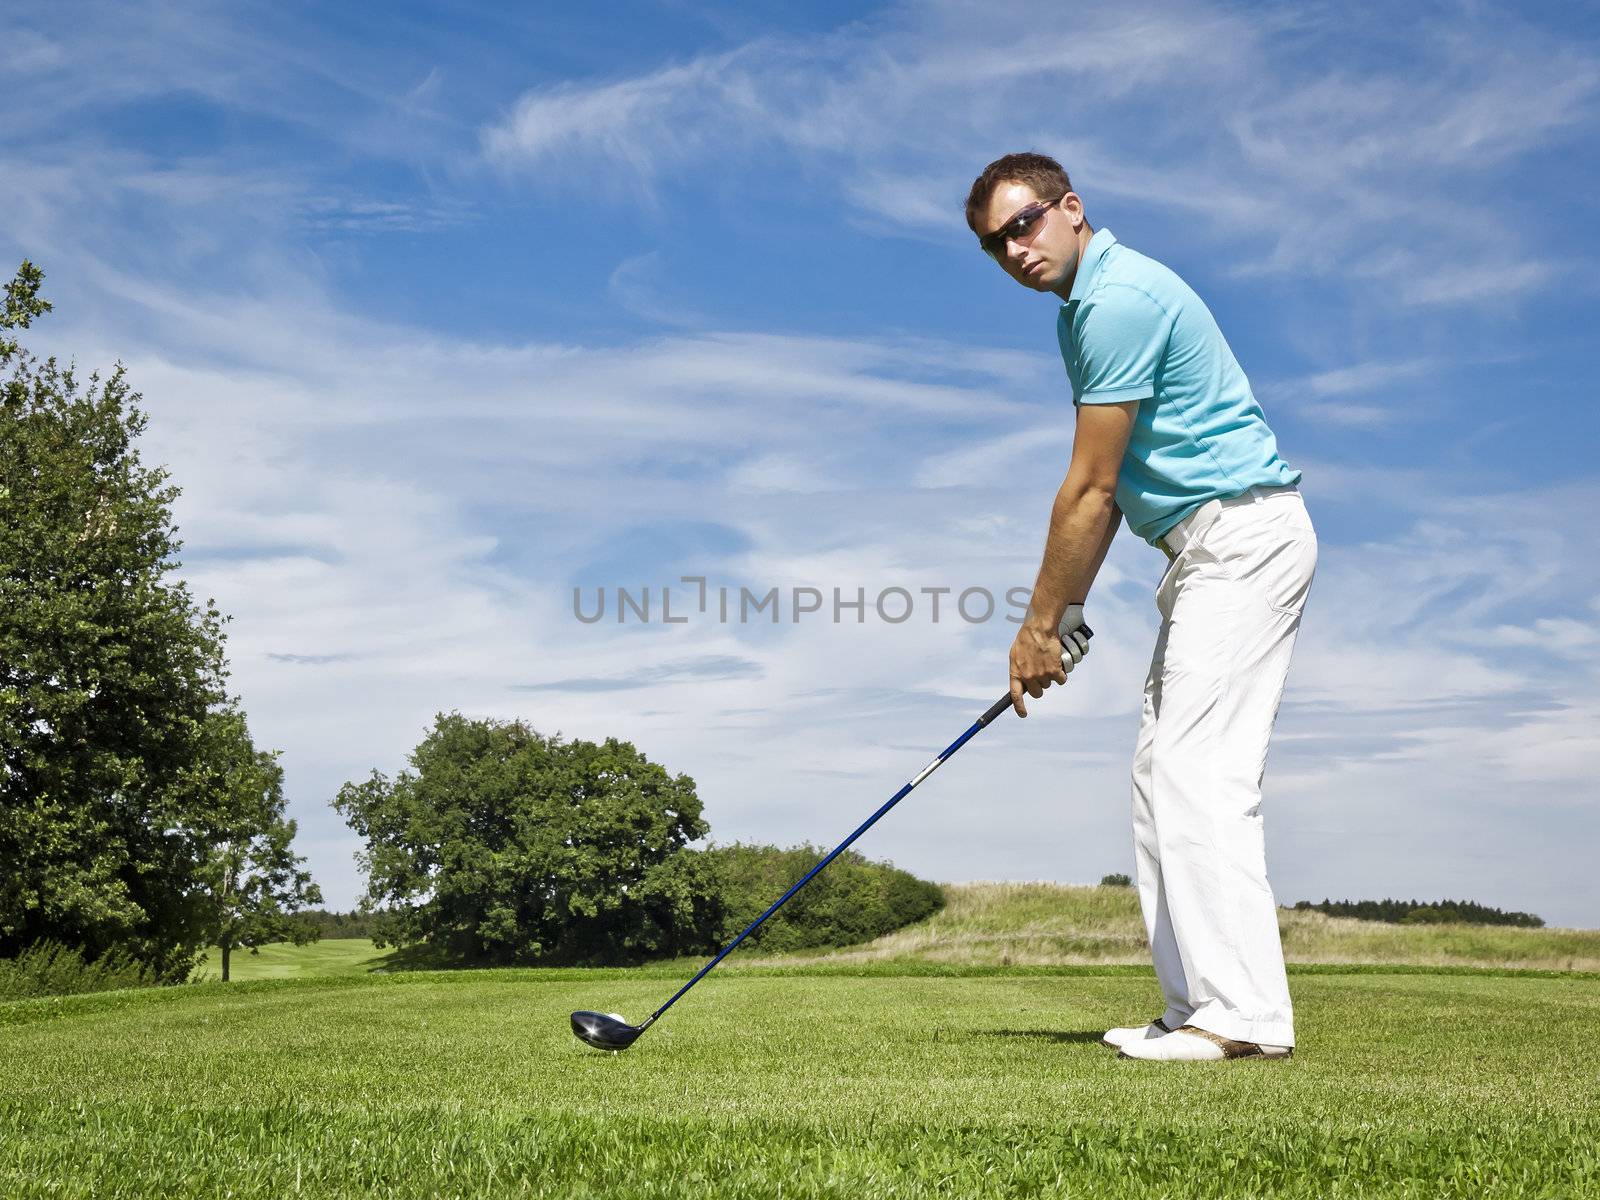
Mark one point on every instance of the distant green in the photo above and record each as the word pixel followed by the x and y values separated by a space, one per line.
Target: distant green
pixel 330 956
pixel 806 1085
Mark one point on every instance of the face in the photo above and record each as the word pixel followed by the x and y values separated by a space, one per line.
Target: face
pixel 1043 256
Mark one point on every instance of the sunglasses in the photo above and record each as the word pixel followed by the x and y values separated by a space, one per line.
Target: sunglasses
pixel 1019 228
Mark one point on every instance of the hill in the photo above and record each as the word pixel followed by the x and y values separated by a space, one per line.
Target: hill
pixel 1049 924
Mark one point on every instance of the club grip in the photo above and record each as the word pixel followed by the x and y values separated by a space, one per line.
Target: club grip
pixel 995 709
pixel 1000 705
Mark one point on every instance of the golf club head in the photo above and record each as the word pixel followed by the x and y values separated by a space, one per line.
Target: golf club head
pixel 604 1031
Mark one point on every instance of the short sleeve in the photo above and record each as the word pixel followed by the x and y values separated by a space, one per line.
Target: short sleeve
pixel 1121 335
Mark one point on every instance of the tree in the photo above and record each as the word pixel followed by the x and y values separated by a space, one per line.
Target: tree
pixel 251 879
pixel 109 672
pixel 504 846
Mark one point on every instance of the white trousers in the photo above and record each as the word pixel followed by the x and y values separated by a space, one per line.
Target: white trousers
pixel 1230 607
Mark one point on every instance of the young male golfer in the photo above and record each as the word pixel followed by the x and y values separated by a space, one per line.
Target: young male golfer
pixel 1170 437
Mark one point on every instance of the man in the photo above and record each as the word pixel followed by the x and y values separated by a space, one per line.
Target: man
pixel 1169 436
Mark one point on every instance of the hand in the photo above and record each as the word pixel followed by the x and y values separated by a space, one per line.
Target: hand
pixel 1040 658
pixel 1074 640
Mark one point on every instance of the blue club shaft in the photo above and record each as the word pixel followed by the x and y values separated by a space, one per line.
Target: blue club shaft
pixel 995 710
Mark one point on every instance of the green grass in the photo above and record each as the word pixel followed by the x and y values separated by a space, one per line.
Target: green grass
pixel 957 1057
pixel 973 1082
pixel 330 956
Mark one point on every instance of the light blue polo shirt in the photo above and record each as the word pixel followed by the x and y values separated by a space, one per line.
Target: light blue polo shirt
pixel 1132 330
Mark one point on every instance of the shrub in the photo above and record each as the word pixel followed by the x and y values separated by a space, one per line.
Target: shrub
pixel 1117 880
pixel 853 901
pixel 51 969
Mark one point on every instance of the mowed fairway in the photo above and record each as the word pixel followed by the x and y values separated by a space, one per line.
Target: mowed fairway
pixel 330 956
pixel 794 1084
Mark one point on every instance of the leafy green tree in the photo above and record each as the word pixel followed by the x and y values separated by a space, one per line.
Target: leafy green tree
pixel 252 881
pixel 503 845
pixel 109 672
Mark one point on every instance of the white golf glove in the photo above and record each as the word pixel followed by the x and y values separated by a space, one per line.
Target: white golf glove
pixel 1074 642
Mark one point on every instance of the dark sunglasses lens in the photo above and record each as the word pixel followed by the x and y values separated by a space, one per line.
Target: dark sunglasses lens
pixel 1018 227
pixel 1022 224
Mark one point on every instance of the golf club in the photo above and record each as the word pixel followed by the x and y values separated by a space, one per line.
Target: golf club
pixel 608 1031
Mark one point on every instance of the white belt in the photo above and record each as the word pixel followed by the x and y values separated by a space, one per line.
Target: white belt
pixel 1185 531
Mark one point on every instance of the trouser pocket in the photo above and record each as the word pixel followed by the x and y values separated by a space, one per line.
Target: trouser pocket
pixel 1268 549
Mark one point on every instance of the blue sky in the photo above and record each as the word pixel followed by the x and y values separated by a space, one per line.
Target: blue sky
pixel 439 311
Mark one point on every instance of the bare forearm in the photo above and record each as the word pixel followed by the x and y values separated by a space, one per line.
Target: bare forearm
pixel 1083 522
pixel 1114 524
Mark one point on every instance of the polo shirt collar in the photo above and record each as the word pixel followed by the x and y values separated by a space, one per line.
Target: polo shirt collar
pixel 1089 264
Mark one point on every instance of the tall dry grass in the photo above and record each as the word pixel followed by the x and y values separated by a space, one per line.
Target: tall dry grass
pixel 1047 924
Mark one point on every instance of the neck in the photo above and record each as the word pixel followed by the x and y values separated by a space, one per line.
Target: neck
pixel 1065 289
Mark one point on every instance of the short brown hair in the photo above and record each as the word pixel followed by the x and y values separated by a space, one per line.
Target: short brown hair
pixel 1043 174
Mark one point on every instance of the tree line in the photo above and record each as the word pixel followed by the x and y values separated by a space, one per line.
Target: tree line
pixel 1413 912
pixel 332 924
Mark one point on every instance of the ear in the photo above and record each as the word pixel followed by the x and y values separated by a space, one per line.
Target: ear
pixel 1072 205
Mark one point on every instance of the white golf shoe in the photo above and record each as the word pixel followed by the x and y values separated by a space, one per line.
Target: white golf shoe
pixel 1189 1043
pixel 1123 1034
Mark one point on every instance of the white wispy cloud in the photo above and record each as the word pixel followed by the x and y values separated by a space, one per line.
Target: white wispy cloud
pixel 639 285
pixel 644 124
pixel 782 471
pixel 988 463
pixel 1336 167
pixel 1559 635
pixel 1359 395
